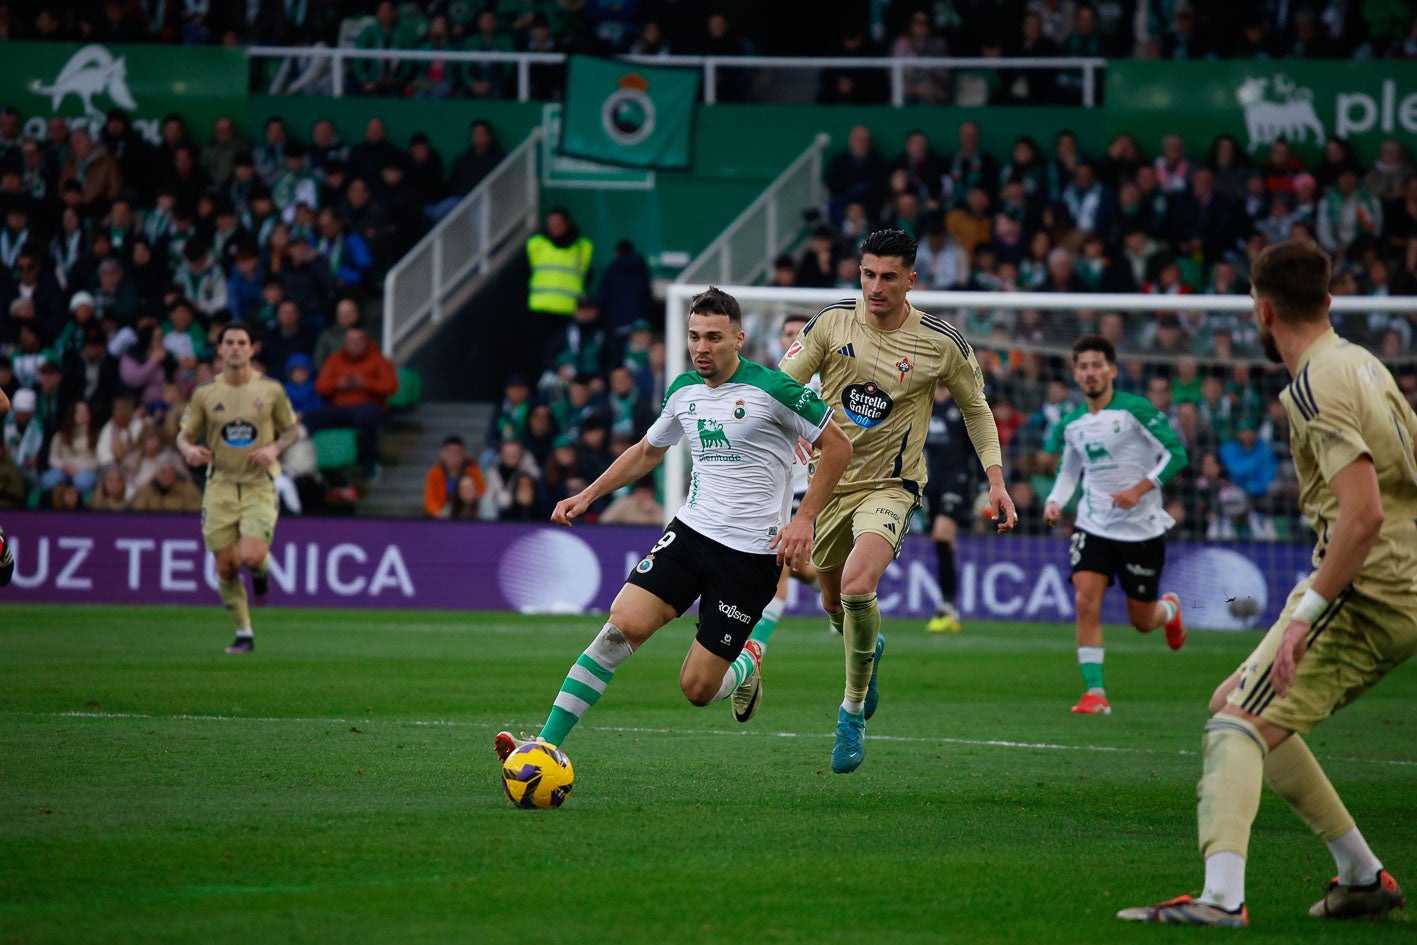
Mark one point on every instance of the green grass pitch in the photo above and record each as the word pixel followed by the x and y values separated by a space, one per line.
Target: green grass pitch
pixel 338 786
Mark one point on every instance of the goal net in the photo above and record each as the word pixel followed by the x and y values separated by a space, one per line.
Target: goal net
pixel 1239 542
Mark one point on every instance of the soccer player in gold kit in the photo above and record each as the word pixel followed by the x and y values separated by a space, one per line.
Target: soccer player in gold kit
pixel 1343 628
pixel 248 422
pixel 879 358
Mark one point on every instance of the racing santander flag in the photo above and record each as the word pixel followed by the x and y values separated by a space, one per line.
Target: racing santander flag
pixel 629 114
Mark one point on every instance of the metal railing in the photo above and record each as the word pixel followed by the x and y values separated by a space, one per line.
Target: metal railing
pixel 772 223
pixel 340 56
pixel 418 287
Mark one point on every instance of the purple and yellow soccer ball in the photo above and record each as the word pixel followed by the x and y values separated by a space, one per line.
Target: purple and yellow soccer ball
pixel 537 775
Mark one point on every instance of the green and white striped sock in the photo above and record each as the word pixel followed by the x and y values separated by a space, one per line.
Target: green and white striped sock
pixel 738 670
pixel 586 682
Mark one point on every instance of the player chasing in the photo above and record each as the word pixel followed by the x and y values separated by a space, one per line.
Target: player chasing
pixel 1343 628
pixel 247 422
pixel 879 358
pixel 1124 450
pixel 727 543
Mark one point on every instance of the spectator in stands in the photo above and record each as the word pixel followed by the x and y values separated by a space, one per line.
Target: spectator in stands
pixel 167 490
pixel 1390 173
pixel 299 384
pixel 577 407
pixel 513 413
pixel 370 155
pixel 540 434
pixel 855 175
pixel 112 492
pixel 922 85
pixel 1027 167
pixel 816 269
pixel 424 170
pixel 1092 204
pixel 967 168
pixel 24 436
pixel 345 254
pixel 1203 222
pixel 639 507
pixel 444 481
pixel 437 78
pixel 270 154
pixel 626 290
pixel 468 170
pixel 488 79
pixel 381 76
pixel 96 172
pixel 923 168
pixel 147 365
pixel 72 451
pixel 141 463
pixel 1173 168
pixel 1250 462
pixel 91 374
pixel 356 382
pixel 627 408
pixel 1032 86
pixel 941 262
pixel 200 279
pixel 1349 210
pixel 972 223
pixel 467 499
pixel 559 259
pixel 581 347
pixel 13 492
pixel 331 339
pixel 718 39
pixel 306 279
pixel 39 287
pixel 527 503
pixel 243 288
pixel 512 461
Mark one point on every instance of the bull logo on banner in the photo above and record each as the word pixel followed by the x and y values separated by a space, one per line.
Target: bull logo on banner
pixel 1291 117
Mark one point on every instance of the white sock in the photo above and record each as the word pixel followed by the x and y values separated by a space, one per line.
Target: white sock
pixel 1224 880
pixel 855 707
pixel 245 633
pixel 773 611
pixel 1357 865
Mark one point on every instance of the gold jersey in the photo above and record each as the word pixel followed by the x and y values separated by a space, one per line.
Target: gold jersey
pixel 1343 404
pixel 883 383
pixel 237 420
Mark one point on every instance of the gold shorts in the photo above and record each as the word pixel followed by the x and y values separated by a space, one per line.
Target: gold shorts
pixel 1352 645
pixel 849 515
pixel 233 510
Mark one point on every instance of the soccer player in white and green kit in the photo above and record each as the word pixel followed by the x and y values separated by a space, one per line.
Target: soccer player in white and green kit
pixel 728 542
pixel 1124 450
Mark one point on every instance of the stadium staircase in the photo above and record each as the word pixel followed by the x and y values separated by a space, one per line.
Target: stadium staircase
pixel 410 448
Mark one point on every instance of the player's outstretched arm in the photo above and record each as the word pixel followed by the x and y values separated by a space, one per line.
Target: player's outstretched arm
pixel 630 465
pixel 1360 519
pixel 1001 504
pixel 794 543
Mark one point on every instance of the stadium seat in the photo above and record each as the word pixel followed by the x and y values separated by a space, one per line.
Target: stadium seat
pixel 337 448
pixel 410 392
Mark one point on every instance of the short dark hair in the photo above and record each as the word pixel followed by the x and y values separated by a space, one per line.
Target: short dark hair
pixel 1095 343
pixel 715 301
pixel 1294 276
pixel 796 317
pixel 238 326
pixel 897 243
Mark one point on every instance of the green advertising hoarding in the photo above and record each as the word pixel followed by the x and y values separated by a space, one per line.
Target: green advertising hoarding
pixel 82 82
pixel 1260 102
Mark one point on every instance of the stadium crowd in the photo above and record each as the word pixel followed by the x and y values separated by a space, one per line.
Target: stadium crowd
pixel 121 261
pixel 1144 29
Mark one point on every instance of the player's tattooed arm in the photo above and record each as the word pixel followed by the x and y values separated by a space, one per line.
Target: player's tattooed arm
pixel 287 438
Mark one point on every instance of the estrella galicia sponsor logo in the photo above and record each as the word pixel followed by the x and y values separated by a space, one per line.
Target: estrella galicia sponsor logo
pixel 627 114
pixel 238 433
pixel 866 404
pixel 733 613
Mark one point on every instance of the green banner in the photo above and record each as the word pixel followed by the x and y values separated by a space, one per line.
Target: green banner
pixel 82 82
pixel 1260 102
pixel 628 114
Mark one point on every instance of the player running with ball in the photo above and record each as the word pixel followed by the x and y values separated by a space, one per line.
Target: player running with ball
pixel 728 542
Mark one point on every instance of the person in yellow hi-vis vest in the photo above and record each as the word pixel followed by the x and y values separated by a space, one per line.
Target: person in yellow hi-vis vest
pixel 559 257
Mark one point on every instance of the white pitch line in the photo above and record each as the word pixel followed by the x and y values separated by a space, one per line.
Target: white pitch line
pixel 908 739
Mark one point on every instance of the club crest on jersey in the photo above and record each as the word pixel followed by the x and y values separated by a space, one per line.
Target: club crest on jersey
pixel 904 367
pixel 866 404
pixel 793 351
pixel 646 563
pixel 260 403
pixel 739 412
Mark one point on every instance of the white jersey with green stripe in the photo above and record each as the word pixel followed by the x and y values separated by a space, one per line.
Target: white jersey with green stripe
pixel 742 437
pixel 1114 449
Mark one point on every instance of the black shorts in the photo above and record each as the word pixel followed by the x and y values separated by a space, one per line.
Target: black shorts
pixel 732 587
pixel 1136 565
pixel 955 502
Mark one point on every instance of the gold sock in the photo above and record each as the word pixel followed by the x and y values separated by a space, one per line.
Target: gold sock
pixel 1232 775
pixel 233 596
pixel 1294 774
pixel 863 623
pixel 838 620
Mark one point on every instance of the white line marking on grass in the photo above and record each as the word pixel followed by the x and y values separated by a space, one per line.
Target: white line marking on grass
pixel 906 739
